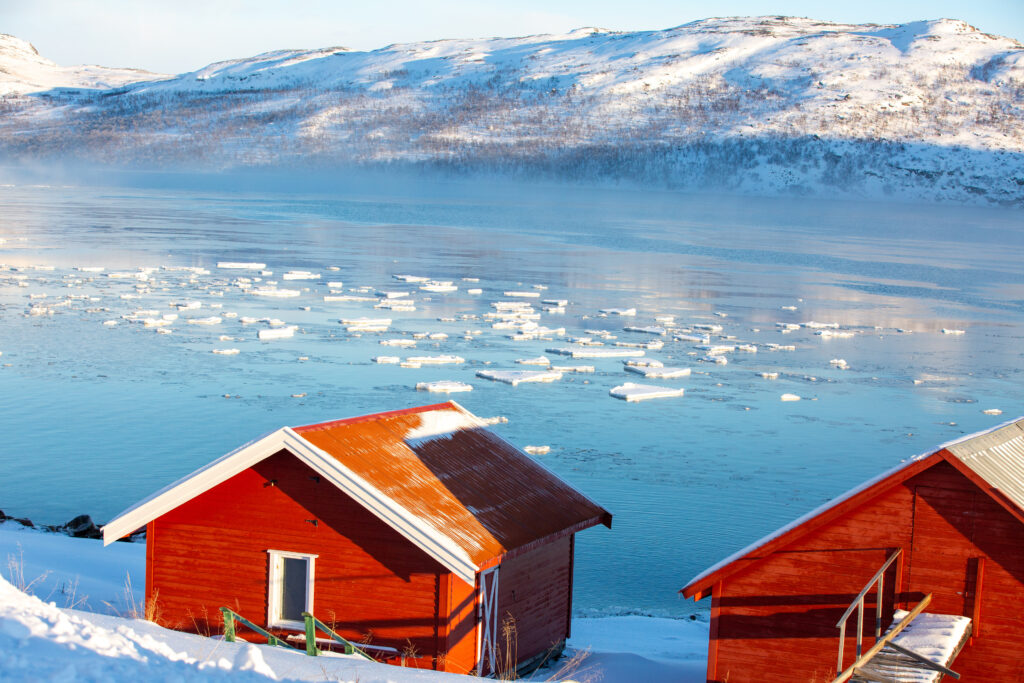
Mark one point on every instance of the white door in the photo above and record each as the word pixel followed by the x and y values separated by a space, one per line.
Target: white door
pixel 487 622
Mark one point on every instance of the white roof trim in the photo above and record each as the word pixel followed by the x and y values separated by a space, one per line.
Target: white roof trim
pixel 427 538
pixel 190 486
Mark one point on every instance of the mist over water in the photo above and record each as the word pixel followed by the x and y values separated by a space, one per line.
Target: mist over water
pixel 96 417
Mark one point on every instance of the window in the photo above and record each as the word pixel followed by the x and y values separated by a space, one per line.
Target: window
pixel 290 590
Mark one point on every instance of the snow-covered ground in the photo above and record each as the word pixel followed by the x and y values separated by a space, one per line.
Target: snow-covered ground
pixel 74 621
pixel 926 109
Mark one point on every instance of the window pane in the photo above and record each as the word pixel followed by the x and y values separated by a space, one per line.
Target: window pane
pixel 293 588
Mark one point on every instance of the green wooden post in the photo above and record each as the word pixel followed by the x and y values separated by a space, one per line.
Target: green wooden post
pixel 311 648
pixel 229 624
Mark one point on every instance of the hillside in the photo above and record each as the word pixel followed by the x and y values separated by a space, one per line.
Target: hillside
pixel 23 70
pixel 928 110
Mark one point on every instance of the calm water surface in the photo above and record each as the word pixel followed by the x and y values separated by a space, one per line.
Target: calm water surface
pixel 95 417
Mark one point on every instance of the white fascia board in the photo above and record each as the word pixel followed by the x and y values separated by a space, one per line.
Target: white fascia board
pixel 428 539
pixel 424 536
pixel 191 485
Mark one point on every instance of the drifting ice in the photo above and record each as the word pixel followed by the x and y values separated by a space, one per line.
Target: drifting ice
pixel 277 333
pixel 239 265
pixel 641 392
pixel 436 360
pixel 789 397
pixel 659 373
pixel 515 377
pixel 596 353
pixel 444 387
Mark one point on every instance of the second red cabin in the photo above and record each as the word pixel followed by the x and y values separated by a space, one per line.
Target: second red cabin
pixel 953 523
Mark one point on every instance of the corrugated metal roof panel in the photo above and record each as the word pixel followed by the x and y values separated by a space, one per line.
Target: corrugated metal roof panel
pixel 998 458
pixel 441 465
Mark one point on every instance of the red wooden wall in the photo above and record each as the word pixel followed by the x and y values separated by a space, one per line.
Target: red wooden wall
pixel 535 597
pixel 776 619
pixel 369 580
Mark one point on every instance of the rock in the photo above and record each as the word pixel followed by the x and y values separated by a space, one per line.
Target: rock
pixel 24 521
pixel 82 526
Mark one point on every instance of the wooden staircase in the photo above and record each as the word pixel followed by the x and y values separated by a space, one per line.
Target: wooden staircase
pixel 918 647
pixel 921 653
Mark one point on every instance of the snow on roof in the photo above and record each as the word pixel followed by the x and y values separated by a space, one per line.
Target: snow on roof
pixel 458 491
pixel 996 454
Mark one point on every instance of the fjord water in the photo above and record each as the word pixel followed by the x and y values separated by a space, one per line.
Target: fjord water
pixel 95 417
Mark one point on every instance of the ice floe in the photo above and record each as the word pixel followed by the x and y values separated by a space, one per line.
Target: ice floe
pixel 444 387
pixel 445 359
pixel 300 275
pixel 641 392
pixel 659 372
pixel 539 360
pixel 646 329
pixel 277 333
pixel 537 450
pixel 590 352
pixel 571 368
pixel 618 311
pixel 948 330
pixel 789 397
pixel 404 343
pixel 386 360
pixel 515 377
pixel 240 265
pixel 226 352
pixel 275 293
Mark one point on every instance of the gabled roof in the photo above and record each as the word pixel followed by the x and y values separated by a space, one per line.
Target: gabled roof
pixel 435 474
pixel 992 459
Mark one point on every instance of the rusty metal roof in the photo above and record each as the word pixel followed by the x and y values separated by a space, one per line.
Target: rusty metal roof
pixel 442 465
pixel 998 458
pixel 435 474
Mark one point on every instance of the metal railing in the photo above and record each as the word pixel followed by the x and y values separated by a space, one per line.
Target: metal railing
pixel 231 616
pixel 312 624
pixel 858 603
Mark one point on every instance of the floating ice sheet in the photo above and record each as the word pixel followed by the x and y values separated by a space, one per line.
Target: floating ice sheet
pixel 642 392
pixel 240 265
pixel 444 387
pixel 515 377
pixel 659 373
pixel 590 352
pixel 277 333
pixel 436 360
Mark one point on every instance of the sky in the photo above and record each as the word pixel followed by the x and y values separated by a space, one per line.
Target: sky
pixel 175 36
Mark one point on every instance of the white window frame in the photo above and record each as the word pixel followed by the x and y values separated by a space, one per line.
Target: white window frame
pixel 274 587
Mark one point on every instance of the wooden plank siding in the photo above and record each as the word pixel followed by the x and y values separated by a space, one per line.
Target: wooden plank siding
pixel 370 582
pixel 534 600
pixel 775 620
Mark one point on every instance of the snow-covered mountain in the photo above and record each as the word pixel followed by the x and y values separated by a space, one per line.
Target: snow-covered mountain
pixel 23 70
pixel 930 109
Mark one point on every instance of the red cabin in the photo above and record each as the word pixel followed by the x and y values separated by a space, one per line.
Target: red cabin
pixel 418 530
pixel 952 521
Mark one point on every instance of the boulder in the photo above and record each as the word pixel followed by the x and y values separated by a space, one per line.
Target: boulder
pixel 82 526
